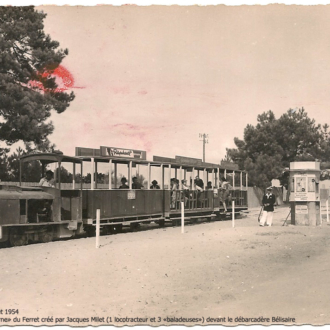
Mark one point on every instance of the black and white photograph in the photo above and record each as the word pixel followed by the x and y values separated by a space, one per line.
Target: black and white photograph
pixel 164 164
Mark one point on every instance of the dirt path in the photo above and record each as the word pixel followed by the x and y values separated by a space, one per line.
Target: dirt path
pixel 212 271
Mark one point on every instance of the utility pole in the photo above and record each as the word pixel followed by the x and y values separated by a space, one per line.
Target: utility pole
pixel 204 138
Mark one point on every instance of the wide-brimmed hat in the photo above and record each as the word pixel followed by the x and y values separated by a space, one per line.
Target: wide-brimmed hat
pixel 154 182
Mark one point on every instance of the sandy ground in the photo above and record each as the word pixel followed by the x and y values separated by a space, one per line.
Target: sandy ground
pixel 165 277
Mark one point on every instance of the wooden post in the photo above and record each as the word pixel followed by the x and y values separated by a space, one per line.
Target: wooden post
pixel 92 174
pixel 162 176
pixel 59 175
pixel 115 175
pixel 180 182
pixel 97 228
pixel 233 213
pixel 95 175
pixel 74 176
pixel 149 176
pixel 182 217
pixel 169 177
pixel 81 176
pixel 130 175
pixel 110 170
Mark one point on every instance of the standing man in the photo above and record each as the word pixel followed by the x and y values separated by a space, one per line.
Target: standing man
pixel 268 201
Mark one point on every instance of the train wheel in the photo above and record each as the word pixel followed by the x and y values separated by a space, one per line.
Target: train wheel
pixel 17 237
pixel 46 236
pixel 118 228
pixel 161 223
pixel 174 223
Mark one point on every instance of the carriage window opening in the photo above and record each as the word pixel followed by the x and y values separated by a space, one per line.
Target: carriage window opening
pixel 22 204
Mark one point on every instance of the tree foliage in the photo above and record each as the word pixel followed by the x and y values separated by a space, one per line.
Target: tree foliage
pixel 269 147
pixel 28 90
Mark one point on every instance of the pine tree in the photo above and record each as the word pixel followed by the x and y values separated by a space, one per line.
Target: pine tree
pixel 28 90
pixel 270 146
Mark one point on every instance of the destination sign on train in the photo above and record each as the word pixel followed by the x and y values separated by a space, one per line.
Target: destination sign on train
pixel 123 153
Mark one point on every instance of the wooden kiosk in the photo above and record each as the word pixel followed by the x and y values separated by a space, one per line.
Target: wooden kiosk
pixel 304 193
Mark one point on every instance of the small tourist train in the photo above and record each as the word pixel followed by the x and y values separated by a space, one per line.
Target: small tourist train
pixel 128 189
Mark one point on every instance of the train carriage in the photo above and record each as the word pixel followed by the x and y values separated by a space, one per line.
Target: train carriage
pixel 38 213
pixel 135 206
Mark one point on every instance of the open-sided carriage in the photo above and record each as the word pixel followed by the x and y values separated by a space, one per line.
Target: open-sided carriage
pixel 30 212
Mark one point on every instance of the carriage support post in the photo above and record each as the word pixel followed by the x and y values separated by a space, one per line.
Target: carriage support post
pixel 233 213
pixel 182 217
pixel 97 228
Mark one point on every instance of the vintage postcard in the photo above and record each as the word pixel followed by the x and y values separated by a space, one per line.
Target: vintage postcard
pixel 164 165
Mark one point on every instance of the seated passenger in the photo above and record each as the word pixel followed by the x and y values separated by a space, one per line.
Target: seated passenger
pixel 136 184
pixel 199 184
pixel 209 186
pixel 124 184
pixel 154 185
pixel 48 180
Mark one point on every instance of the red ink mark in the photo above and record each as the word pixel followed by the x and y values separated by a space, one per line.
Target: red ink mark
pixel 63 78
pixel 143 92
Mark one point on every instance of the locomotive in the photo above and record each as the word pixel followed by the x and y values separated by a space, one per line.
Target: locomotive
pixel 32 213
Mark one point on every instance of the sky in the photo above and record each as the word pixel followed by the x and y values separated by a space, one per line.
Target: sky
pixel 154 77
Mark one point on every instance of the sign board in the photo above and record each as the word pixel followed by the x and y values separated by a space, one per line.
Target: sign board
pixel 163 159
pixel 87 152
pixel 301 209
pixel 301 188
pixel 215 192
pixel 188 161
pixel 131 194
pixel 229 165
pixel 123 153
pixel 300 196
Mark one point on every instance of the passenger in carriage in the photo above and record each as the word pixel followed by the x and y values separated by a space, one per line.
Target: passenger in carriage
pixel 124 184
pixel 185 191
pixel 136 184
pixel 199 186
pixel 174 189
pixel 224 192
pixel 209 186
pixel 154 185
